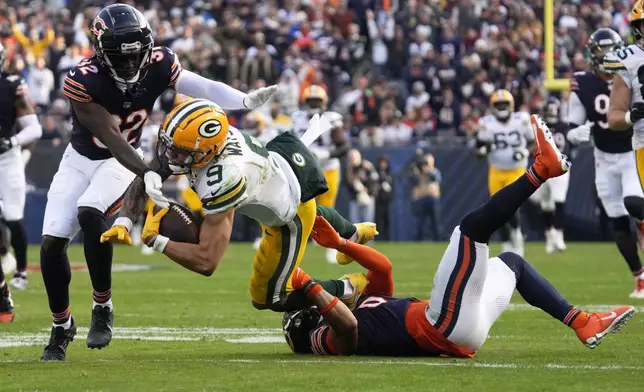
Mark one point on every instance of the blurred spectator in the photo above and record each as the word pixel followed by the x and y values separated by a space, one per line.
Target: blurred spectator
pixel 41 84
pixel 34 43
pixel 383 198
pixel 379 32
pixel 372 135
pixel 51 133
pixel 425 181
pixel 396 133
pixel 362 180
pixel 418 99
pixel 449 113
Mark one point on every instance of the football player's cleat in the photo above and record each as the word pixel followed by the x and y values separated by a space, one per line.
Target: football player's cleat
pixel 366 231
pixel 560 244
pixel 549 161
pixel 550 241
pixel 359 283
pixel 6 305
pixel 639 289
pixel 601 324
pixel 100 332
pixel 58 342
pixel 19 281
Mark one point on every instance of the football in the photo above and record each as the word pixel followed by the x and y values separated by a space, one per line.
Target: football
pixel 180 224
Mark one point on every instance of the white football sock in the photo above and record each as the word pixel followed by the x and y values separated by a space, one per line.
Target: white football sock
pixel 66 325
pixel 107 304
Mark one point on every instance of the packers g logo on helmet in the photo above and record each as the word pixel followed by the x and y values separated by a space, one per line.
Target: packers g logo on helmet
pixel 193 133
pixel 210 128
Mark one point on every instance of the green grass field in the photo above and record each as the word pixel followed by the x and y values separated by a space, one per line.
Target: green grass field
pixel 178 331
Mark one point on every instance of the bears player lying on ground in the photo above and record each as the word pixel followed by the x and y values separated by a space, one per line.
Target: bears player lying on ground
pixel 276 185
pixel 470 290
pixel 616 177
pixel 112 94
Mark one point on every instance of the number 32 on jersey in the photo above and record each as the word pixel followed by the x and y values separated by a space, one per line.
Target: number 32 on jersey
pixel 129 126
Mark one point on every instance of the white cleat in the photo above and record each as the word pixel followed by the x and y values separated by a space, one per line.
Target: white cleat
pixel 9 263
pixel 550 241
pixel 19 282
pixel 560 244
pixel 638 293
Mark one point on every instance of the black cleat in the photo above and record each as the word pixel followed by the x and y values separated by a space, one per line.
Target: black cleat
pixel 58 342
pixel 6 305
pixel 100 333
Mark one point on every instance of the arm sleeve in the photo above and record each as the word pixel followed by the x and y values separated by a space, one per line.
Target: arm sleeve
pixel 195 86
pixel 227 194
pixel 31 129
pixel 576 111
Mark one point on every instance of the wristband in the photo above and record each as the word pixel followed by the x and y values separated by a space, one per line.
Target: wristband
pixel 124 221
pixel 314 290
pixel 160 243
pixel 627 118
pixel 330 306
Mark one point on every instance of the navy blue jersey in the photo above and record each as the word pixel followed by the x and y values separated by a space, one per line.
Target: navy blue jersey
pixel 381 329
pixel 90 82
pixel 8 95
pixel 594 94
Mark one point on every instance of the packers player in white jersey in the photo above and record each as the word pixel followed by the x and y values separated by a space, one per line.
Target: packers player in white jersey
pixel 233 172
pixel 505 136
pixel 626 108
pixel 328 149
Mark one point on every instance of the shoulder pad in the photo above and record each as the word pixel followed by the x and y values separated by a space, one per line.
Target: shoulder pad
pixel 613 62
pixel 78 82
pixel 168 63
pixel 225 185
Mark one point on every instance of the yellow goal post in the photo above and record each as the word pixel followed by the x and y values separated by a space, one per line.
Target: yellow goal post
pixel 551 83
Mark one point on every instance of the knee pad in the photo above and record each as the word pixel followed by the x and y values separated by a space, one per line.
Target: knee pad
pixel 621 225
pixel 515 262
pixel 90 217
pixel 635 206
pixel 53 246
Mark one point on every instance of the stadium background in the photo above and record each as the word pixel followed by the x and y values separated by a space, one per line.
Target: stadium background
pixel 462 49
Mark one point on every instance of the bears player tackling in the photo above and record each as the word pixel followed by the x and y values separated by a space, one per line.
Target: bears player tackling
pixel 112 94
pixel 470 289
pixel 616 177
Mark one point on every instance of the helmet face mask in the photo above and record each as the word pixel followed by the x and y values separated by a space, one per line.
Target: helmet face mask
pixel 297 326
pixel 600 43
pixel 123 43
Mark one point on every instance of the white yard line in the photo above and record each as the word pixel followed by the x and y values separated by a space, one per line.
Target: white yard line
pixel 442 362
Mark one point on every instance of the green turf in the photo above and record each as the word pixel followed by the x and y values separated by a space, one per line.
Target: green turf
pixel 526 351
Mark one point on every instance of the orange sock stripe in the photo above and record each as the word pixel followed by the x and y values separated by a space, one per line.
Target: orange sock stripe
pixel 458 282
pixel 62 316
pixel 101 297
pixel 570 317
pixel 533 178
pixel 638 272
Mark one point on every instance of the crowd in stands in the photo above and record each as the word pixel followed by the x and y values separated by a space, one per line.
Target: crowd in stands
pixel 403 71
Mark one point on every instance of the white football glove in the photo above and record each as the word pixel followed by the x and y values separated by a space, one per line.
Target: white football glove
pixel 259 97
pixel 580 134
pixel 153 184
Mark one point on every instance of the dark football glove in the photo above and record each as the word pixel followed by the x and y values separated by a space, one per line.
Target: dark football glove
pixel 5 145
pixel 637 112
